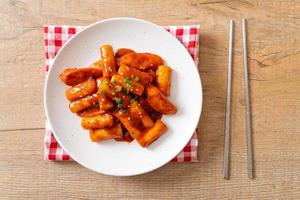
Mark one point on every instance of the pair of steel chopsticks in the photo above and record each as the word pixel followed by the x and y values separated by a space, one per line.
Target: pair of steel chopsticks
pixel 228 104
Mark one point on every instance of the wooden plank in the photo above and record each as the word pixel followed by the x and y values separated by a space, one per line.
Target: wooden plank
pixel 25 175
pixel 274 55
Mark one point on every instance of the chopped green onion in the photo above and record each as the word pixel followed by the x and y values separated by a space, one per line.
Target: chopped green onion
pixel 102 92
pixel 118 100
pixel 126 80
pixel 136 79
pixel 127 91
pixel 113 80
pixel 130 83
pixel 123 110
pixel 120 105
pixel 133 99
pixel 106 83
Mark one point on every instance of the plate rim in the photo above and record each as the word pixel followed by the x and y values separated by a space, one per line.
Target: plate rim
pixel 47 82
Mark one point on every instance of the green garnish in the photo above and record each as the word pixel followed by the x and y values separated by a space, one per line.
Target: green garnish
pixel 119 103
pixel 102 92
pixel 127 91
pixel 118 88
pixel 113 80
pixel 113 92
pixel 136 79
pixel 133 99
pixel 106 83
pixel 123 110
pixel 126 80
pixel 130 83
pixel 118 100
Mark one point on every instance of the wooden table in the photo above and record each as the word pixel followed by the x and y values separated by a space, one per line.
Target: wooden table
pixel 274 54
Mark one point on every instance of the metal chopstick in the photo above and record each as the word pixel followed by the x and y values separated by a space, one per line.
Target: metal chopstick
pixel 228 105
pixel 248 111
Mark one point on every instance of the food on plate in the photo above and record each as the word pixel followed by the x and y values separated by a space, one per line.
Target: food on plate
pixel 98 64
pixel 105 103
pixel 122 51
pixel 157 100
pixel 121 96
pixel 84 103
pixel 128 84
pixel 152 74
pixel 141 61
pixel 90 112
pixel 81 90
pixel 137 111
pixel 108 60
pixel 136 75
pixel 163 74
pixel 115 92
pixel 133 125
pixel 114 132
pixel 74 76
pixel 96 122
pixel 152 134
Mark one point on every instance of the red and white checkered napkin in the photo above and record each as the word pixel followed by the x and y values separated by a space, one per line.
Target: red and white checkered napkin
pixel 56 36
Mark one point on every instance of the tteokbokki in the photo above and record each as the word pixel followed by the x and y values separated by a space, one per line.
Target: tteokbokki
pixel 122 96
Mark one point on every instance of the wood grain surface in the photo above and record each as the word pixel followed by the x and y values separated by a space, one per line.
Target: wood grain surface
pixel 274 58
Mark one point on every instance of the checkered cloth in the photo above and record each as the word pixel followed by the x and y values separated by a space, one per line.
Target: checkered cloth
pixel 54 39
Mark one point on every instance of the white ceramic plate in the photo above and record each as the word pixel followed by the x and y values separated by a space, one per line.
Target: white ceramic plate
pixel 121 158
